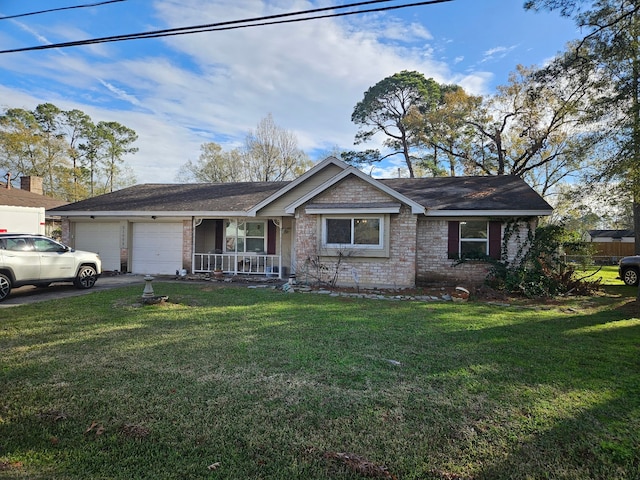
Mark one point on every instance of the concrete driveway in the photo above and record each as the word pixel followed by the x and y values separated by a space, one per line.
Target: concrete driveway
pixel 30 294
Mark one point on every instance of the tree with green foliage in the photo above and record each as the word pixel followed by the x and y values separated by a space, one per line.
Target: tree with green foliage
pixel 528 128
pixel 116 141
pixel 610 50
pixel 213 165
pixel 445 131
pixel 77 128
pixel 54 148
pixel 66 149
pixel 20 143
pixel 385 108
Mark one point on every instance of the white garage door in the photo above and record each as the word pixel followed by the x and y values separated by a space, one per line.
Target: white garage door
pixel 102 238
pixel 157 248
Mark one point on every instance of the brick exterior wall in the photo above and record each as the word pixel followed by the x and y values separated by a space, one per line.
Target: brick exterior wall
pixel 519 238
pixel 396 270
pixel 187 244
pixel 434 266
pixel 65 226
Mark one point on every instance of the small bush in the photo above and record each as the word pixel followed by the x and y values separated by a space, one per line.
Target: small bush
pixel 538 269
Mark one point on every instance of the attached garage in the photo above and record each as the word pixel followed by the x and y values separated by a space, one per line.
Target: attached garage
pixel 157 248
pixel 104 238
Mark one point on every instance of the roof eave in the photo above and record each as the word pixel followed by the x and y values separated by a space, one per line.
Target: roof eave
pixel 150 213
pixel 488 213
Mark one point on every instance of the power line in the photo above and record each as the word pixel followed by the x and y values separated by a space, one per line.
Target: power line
pixel 73 7
pixel 231 25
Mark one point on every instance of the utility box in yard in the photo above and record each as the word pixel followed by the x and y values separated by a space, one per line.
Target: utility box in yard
pixel 21 219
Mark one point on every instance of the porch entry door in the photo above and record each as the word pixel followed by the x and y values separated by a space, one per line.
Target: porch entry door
pixel 157 248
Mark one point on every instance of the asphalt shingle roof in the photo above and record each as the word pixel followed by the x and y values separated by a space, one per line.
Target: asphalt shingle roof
pixel 16 197
pixel 439 193
pixel 611 233
pixel 503 192
pixel 196 197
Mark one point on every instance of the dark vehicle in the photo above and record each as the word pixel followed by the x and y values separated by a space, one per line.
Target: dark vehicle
pixel 629 269
pixel 38 260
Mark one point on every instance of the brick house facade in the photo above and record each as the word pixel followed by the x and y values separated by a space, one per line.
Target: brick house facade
pixel 333 224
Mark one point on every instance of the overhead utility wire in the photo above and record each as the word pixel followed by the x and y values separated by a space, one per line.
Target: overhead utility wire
pixel 229 25
pixel 195 28
pixel 106 2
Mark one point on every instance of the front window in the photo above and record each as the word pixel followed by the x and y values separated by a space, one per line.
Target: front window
pixel 474 238
pixel 353 232
pixel 245 237
pixel 46 245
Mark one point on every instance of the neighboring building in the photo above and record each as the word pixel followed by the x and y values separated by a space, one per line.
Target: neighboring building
pixel 23 210
pixel 332 223
pixel 613 243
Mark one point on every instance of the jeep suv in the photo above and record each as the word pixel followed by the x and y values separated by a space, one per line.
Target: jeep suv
pixel 629 269
pixel 39 260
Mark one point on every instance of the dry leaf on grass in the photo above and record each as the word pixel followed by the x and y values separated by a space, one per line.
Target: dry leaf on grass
pixel 98 431
pixel 10 465
pixel 361 465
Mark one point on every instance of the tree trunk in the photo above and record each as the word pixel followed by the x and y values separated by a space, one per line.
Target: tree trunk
pixel 635 177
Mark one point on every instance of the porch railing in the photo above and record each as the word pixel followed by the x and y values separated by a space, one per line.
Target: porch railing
pixel 238 263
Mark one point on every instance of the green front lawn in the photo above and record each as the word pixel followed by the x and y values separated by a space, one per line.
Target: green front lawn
pixel 237 383
pixel 607 274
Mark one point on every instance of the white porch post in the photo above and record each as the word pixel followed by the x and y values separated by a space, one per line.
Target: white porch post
pixel 279 225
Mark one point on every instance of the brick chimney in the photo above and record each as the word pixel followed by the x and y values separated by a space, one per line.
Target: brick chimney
pixel 31 184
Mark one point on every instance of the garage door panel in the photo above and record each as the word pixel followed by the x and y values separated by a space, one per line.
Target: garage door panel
pixel 102 238
pixel 157 248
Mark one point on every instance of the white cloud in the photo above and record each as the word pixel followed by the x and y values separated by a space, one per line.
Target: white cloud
pixel 120 94
pixel 216 86
pixel 26 28
pixel 497 53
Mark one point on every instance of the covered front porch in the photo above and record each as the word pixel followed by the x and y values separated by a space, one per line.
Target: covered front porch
pixel 242 246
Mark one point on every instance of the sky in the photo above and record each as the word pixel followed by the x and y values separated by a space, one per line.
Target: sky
pixel 179 92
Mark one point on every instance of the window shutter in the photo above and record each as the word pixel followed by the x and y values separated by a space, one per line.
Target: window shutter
pixel 495 240
pixel 271 238
pixel 454 240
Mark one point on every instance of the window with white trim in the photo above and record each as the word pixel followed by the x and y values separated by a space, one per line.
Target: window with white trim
pixel 353 232
pixel 245 237
pixel 474 238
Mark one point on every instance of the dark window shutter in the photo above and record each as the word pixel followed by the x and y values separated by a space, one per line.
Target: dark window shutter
pixel 271 238
pixel 219 239
pixel 454 240
pixel 495 240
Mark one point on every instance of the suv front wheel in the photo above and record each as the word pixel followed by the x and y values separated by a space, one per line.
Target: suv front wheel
pixel 86 277
pixel 630 276
pixel 5 286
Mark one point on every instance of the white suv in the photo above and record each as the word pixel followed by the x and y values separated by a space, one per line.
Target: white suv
pixel 39 260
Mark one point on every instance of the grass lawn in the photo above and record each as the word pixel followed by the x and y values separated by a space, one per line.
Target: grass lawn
pixel 237 383
pixel 607 274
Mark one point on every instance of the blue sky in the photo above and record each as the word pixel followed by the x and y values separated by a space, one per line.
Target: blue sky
pixel 182 91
